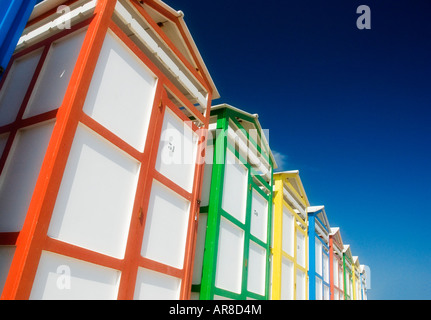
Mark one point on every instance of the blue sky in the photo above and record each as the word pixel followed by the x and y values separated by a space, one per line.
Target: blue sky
pixel 348 108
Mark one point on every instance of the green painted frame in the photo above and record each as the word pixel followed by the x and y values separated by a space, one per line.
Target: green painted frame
pixel 347 277
pixel 207 289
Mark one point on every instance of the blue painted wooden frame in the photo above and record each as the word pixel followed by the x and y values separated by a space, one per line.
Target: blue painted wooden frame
pixel 363 281
pixel 13 19
pixel 312 274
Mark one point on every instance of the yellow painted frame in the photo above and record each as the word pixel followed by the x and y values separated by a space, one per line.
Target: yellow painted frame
pixel 277 252
pixel 356 278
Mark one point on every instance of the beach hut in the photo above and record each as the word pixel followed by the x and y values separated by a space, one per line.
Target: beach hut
pixel 364 284
pixel 356 279
pixel 336 264
pixel 318 239
pixel 232 249
pixel 101 118
pixel 289 252
pixel 348 272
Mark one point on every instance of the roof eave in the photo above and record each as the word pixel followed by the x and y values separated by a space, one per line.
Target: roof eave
pixel 180 15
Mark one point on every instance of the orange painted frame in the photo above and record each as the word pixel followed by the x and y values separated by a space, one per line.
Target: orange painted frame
pixel 203 80
pixel 133 251
pixel 10 238
pixel 33 236
pixel 133 258
pixel 332 256
pixel 32 239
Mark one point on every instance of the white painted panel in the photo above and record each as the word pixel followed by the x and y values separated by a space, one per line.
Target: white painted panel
pixel 96 196
pixel 16 85
pixel 256 269
pixel 56 72
pixel 166 226
pixel 319 289
pixel 358 288
pixel 287 279
pixel 335 271
pixel 326 293
pixel 63 278
pixel 20 174
pixel 341 279
pixel 176 158
pixel 300 285
pixel 259 216
pixel 229 257
pixel 235 187
pixel 206 184
pixel 121 94
pixel 200 248
pixel 325 268
pixel 288 232
pixel 318 256
pixel 6 256
pixel 300 249
pixel 152 285
pixel 348 285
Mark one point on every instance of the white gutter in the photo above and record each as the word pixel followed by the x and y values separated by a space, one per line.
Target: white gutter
pixel 295 203
pixel 338 251
pixel 321 232
pixel 56 24
pixel 158 52
pixel 180 15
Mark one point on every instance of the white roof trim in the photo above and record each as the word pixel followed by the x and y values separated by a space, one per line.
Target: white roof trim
pixel 256 117
pixel 180 15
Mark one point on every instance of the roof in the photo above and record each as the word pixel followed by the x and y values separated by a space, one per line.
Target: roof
pixel 44 6
pixel 334 231
pixel 237 110
pixel 255 117
pixel 347 251
pixel 187 36
pixel 336 234
pixel 295 180
pixel 176 31
pixel 320 212
pixel 356 261
pixel 363 269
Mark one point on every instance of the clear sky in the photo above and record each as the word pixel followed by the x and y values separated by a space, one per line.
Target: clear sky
pixel 348 108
